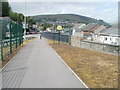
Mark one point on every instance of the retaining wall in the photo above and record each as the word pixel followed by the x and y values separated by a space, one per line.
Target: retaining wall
pixel 105 48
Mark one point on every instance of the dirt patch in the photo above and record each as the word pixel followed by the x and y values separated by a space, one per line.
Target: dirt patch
pixel 97 70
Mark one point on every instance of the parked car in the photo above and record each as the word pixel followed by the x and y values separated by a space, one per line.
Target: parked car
pixel 33 32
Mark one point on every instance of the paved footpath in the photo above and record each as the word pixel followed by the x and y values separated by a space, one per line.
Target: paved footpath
pixel 38 66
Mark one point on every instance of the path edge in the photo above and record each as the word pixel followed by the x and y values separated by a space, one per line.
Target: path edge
pixel 70 69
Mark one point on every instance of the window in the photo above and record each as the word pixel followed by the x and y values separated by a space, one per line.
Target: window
pixel 110 39
pixel 106 38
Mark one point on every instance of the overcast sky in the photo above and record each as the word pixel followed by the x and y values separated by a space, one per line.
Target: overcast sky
pixel 108 11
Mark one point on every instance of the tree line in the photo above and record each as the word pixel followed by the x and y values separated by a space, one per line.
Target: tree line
pixel 17 17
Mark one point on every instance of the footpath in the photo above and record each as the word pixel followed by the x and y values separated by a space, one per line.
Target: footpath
pixel 37 65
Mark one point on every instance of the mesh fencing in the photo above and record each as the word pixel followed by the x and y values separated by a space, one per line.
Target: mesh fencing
pixel 11 35
pixel 57 37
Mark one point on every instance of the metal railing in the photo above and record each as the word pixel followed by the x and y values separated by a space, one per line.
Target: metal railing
pixel 56 37
pixel 11 37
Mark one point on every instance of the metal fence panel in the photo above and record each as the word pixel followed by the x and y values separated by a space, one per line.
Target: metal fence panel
pixel 1 50
pixel 55 36
pixel 11 35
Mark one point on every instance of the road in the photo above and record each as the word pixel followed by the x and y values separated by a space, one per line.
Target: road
pixel 38 66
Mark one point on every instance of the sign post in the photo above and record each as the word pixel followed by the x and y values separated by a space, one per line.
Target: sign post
pixel 59 28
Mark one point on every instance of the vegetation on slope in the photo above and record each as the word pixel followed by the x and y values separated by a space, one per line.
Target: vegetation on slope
pixel 68 17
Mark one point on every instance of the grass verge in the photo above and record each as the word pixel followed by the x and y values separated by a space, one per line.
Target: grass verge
pixel 10 56
pixel 97 70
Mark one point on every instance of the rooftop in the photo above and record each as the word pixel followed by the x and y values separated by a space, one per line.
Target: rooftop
pixel 95 27
pixel 89 27
pixel 111 31
pixel 78 27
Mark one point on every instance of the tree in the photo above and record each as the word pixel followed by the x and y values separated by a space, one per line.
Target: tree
pixel 46 25
pixel 17 17
pixel 30 21
pixel 20 17
pixel 5 9
pixel 13 16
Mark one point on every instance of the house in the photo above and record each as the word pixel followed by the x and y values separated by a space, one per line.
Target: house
pixel 91 29
pixel 48 30
pixel 35 26
pixel 108 36
pixel 88 27
pixel 77 29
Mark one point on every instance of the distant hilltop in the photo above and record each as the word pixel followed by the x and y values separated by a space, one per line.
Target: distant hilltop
pixel 70 18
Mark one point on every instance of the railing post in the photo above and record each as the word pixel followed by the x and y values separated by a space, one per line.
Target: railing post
pixel 16 27
pixel 1 45
pixel 59 38
pixel 69 37
pixel 1 49
pixel 11 37
pixel 21 36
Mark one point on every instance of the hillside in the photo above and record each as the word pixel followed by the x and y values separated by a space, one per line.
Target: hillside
pixel 68 17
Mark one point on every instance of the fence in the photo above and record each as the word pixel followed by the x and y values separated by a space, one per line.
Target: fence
pixel 11 35
pixel 75 41
pixel 55 36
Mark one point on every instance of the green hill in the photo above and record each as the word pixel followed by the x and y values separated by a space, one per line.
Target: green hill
pixel 68 17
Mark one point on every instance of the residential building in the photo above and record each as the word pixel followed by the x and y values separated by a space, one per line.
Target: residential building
pixel 77 29
pixel 108 36
pixel 91 29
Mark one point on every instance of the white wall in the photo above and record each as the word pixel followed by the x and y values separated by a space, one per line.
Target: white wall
pixel 73 32
pixel 106 39
pixel 80 34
